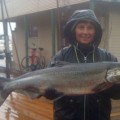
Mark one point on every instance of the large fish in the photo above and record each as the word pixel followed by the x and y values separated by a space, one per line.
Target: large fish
pixel 69 79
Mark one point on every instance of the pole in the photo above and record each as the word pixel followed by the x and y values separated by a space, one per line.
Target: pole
pixel 58 26
pixel 6 38
pixel 92 4
pixel 53 31
pixel 12 37
pixel 26 38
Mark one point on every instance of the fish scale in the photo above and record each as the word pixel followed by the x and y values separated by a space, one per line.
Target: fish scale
pixel 66 78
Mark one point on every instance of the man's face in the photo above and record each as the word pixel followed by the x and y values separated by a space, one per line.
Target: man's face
pixel 85 32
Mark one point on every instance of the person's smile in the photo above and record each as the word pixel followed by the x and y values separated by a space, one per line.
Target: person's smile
pixel 85 32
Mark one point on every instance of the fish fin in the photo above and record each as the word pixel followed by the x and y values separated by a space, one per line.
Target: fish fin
pixel 31 92
pixel 101 87
pixel 3 91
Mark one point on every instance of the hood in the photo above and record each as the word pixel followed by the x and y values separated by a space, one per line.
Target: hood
pixel 80 15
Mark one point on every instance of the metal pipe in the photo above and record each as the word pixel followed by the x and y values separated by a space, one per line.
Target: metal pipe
pixel 53 31
pixel 13 38
pixel 6 38
pixel 92 4
pixel 26 38
pixel 58 26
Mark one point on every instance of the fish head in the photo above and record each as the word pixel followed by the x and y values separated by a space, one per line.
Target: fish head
pixel 113 75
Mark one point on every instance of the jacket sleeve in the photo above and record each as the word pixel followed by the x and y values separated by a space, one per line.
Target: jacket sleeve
pixel 114 92
pixel 52 93
pixel 57 57
pixel 111 57
pixel 106 56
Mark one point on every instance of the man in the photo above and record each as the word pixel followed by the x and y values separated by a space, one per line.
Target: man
pixel 84 33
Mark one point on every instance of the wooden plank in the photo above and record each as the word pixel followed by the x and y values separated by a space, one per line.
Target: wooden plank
pixel 115 115
pixel 19 107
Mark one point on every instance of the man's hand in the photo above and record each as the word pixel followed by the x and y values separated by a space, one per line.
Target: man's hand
pixel 52 94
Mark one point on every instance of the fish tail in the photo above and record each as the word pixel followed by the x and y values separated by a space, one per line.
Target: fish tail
pixel 3 91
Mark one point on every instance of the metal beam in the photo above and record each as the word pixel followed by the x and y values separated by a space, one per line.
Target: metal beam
pixel 53 22
pixel 26 39
pixel 58 26
pixel 92 4
pixel 6 38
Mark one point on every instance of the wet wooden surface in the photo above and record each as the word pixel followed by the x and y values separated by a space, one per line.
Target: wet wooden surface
pixel 115 115
pixel 19 107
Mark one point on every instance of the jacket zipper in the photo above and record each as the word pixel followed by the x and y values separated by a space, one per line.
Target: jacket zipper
pixel 85 61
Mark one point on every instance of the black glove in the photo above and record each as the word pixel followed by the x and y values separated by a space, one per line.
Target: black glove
pixel 52 94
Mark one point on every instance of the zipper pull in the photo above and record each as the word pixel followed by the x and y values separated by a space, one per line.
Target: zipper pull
pixel 85 59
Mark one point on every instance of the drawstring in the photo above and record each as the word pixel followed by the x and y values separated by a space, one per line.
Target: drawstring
pixel 78 61
pixel 93 53
pixel 75 50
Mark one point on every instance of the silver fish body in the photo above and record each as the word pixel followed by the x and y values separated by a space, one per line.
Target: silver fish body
pixel 70 79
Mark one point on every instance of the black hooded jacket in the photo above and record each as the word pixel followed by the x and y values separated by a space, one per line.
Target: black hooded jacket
pixel 84 107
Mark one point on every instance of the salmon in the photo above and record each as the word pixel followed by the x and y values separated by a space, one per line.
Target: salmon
pixel 68 79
